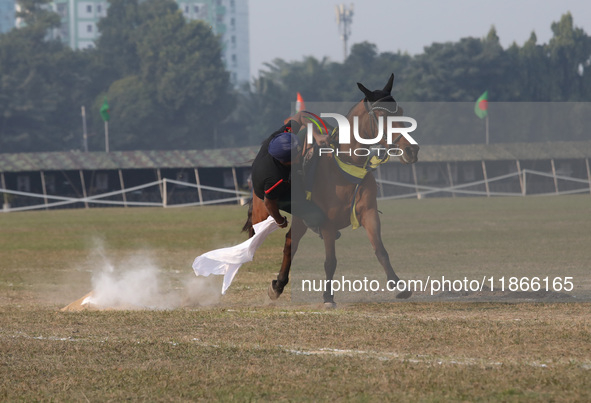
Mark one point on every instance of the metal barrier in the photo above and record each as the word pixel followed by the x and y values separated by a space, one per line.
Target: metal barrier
pixel 238 197
pixel 422 190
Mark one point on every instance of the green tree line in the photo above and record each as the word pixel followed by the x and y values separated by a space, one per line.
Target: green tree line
pixel 167 86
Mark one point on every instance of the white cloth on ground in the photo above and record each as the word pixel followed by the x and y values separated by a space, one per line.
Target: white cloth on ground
pixel 227 261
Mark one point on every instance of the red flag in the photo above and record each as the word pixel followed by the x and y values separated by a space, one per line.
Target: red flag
pixel 481 106
pixel 300 106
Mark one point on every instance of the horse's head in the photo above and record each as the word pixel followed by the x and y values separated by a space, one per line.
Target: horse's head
pixel 381 103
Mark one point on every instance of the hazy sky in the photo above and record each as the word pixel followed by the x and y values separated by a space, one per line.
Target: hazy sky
pixel 291 29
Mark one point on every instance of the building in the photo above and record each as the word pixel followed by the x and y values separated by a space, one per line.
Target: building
pixel 78 21
pixel 7 15
pixel 198 177
pixel 236 41
pixel 503 169
pixel 138 178
pixel 228 18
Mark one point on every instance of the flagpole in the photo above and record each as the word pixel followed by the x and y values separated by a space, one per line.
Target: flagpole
pixel 105 115
pixel 106 136
pixel 486 123
pixel 84 134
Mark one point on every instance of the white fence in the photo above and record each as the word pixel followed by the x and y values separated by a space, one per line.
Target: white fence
pixel 236 196
pixel 420 191
pixel 49 201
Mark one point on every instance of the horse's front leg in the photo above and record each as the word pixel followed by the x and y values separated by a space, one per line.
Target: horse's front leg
pixel 370 220
pixel 330 264
pixel 292 240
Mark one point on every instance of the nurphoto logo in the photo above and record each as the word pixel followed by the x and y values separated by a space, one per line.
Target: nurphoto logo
pixel 391 130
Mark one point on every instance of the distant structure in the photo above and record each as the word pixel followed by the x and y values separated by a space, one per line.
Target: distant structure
pixel 200 177
pixel 79 20
pixel 228 18
pixel 7 15
pixel 344 21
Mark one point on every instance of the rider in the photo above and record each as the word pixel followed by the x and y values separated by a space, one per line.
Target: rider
pixel 277 184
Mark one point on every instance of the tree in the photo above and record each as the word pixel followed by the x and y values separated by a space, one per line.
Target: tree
pixel 37 18
pixel 168 88
pixel 179 90
pixel 570 52
pixel 41 86
pixel 532 71
pixel 116 46
pixel 460 71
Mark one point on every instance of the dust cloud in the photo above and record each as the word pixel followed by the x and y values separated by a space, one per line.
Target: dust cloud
pixel 136 281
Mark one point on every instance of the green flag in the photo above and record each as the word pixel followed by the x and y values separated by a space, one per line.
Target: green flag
pixel 481 106
pixel 105 111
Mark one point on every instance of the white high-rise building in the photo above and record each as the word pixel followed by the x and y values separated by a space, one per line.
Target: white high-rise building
pixel 78 21
pixel 236 41
pixel 229 19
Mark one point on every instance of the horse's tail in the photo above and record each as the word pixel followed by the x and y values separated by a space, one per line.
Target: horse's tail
pixel 248 224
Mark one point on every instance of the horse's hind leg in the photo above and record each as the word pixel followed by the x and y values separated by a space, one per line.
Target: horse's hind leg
pixel 371 222
pixel 292 240
pixel 256 214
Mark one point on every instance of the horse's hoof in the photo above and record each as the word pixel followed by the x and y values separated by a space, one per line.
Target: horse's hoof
pixel 272 292
pixel 404 294
pixel 330 305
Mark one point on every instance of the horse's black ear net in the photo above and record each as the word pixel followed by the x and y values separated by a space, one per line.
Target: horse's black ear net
pixel 388 86
pixel 363 89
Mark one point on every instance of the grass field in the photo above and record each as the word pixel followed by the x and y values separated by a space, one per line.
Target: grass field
pixel 243 347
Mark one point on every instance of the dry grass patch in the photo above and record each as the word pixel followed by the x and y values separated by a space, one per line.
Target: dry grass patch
pixel 242 347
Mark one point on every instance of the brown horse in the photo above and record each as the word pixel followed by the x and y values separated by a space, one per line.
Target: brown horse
pixel 336 195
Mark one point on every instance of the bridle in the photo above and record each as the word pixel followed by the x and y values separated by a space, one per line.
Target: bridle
pixel 373 159
pixel 371 107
